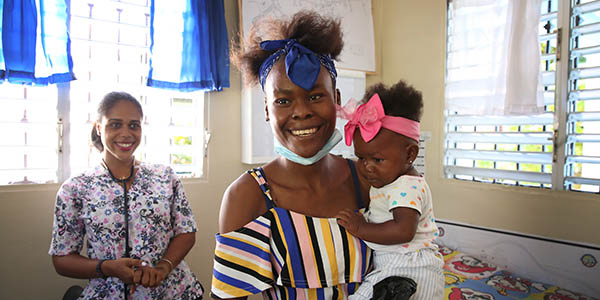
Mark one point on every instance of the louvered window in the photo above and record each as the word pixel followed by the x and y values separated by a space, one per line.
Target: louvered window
pixel 28 134
pixel 582 151
pixel 45 130
pixel 558 149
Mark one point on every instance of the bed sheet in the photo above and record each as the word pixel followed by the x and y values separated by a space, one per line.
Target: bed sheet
pixel 469 278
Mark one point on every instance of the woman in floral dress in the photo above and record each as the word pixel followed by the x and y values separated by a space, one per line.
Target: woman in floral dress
pixel 134 217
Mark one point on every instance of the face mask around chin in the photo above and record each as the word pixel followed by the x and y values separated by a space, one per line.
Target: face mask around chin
pixel 335 138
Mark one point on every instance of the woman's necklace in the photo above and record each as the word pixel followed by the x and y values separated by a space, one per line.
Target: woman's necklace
pixel 119 179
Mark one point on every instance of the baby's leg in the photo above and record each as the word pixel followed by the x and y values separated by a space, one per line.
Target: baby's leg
pixel 379 273
pixel 426 269
pixel 365 289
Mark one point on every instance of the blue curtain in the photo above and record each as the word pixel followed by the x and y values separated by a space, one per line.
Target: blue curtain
pixel 190 48
pixel 35 46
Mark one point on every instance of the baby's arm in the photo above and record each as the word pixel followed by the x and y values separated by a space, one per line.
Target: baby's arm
pixel 400 230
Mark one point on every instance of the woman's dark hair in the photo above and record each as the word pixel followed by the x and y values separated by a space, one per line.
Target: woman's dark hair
pixel 107 103
pixel 399 100
pixel 322 35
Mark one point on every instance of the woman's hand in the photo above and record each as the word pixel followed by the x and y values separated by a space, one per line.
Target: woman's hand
pixel 400 230
pixel 148 276
pixel 122 268
pixel 351 220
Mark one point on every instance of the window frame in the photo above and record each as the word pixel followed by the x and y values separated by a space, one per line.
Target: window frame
pixel 64 148
pixel 559 136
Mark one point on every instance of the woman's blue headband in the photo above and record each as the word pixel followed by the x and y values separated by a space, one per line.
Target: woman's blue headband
pixel 302 65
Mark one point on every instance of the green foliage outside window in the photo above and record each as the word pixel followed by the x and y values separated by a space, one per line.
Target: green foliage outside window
pixel 486 164
pixel 532 128
pixel 578 127
pixel 182 140
pixel 543 48
pixel 530 167
pixel 531 148
pixel 578 149
pixel 181 159
pixel 507 147
pixel 511 128
pixel 580 106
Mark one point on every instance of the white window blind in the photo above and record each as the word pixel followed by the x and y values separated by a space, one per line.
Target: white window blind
pixel 558 149
pixel 582 151
pixel 28 134
pixel 110 43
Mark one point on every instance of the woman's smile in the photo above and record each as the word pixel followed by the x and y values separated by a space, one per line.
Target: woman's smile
pixel 305 132
pixel 125 146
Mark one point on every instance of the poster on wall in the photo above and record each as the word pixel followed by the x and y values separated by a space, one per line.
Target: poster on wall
pixel 356 17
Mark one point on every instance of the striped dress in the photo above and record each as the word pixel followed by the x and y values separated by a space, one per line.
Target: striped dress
pixel 287 255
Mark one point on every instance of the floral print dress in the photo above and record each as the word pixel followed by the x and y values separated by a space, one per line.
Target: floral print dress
pixel 92 205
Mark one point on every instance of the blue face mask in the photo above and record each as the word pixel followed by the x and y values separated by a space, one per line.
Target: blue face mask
pixel 335 138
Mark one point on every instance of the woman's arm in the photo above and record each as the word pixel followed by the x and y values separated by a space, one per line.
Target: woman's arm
pixel 77 266
pixel 242 202
pixel 178 248
pixel 400 230
pixel 184 229
pixel 68 239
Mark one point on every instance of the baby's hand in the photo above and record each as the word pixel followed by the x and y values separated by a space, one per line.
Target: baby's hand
pixel 351 220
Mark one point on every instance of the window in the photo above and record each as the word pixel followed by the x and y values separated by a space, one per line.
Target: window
pixel 28 134
pixel 556 149
pixel 45 130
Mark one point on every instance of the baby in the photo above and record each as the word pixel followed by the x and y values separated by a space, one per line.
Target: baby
pixel 399 224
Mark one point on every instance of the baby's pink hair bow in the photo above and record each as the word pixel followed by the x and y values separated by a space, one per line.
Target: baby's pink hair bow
pixel 370 117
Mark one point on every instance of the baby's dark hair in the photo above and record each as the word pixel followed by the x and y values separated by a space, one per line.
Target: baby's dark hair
pixel 399 100
pixel 107 103
pixel 322 35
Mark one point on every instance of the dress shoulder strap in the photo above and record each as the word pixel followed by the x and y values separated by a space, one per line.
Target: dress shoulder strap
pixel 359 201
pixel 259 175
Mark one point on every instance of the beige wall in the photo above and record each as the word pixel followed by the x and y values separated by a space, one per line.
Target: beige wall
pixel 410 40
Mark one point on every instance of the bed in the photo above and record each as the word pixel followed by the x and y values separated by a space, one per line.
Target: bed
pixel 467 277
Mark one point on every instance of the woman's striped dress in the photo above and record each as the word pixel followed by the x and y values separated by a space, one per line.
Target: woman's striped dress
pixel 287 255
